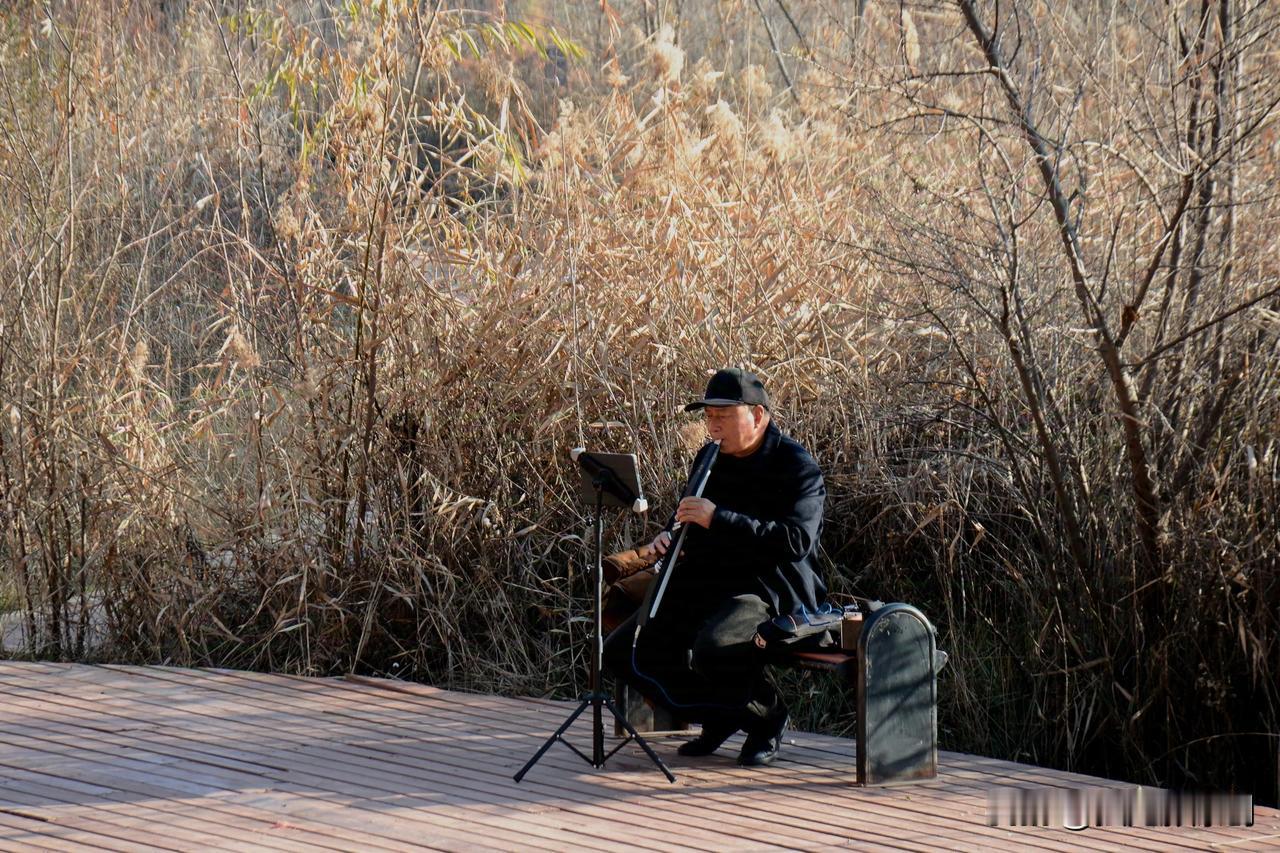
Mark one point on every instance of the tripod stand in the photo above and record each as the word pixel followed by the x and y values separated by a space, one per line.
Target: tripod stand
pixel 609 478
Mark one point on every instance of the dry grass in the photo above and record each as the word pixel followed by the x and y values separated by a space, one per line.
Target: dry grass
pixel 304 313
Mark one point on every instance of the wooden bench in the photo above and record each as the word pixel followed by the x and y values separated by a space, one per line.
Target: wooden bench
pixel 894 677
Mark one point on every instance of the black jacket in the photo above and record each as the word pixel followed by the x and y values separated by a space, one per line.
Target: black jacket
pixel 764 536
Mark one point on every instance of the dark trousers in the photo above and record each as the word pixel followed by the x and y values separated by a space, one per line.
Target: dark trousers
pixel 699 662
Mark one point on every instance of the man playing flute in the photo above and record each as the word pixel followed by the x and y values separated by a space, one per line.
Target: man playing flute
pixel 749 555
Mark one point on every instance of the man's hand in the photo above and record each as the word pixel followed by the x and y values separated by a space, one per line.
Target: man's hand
pixel 655 549
pixel 690 511
pixel 697 511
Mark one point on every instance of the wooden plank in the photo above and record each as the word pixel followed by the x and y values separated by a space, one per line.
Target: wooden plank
pixel 465 838
pixel 316 837
pixel 826 813
pixel 484 784
pixel 54 790
pixel 135 826
pixel 18 831
pixel 973 793
pixel 441 826
pixel 520 834
pixel 734 811
pixel 977 784
pixel 805 820
pixel 403 760
pixel 824 840
pixel 44 834
pixel 1158 838
pixel 488 783
pixel 750 777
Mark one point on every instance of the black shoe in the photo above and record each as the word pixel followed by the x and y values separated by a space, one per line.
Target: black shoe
pixel 707 742
pixel 761 749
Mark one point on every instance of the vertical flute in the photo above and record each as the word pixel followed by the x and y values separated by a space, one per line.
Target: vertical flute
pixel 697 482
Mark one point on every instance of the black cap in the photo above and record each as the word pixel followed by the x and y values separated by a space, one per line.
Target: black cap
pixel 732 387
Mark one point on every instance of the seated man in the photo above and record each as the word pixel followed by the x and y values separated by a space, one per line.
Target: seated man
pixel 748 556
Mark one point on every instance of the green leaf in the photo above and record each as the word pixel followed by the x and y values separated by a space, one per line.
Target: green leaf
pixel 455 45
pixel 471 43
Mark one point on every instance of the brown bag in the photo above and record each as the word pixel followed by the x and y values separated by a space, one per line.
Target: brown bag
pixel 633 587
pixel 624 563
pixel 628 575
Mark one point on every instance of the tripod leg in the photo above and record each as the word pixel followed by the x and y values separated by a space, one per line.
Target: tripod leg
pixel 653 756
pixel 597 731
pixel 564 727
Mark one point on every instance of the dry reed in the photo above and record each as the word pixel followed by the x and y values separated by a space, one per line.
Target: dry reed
pixel 305 310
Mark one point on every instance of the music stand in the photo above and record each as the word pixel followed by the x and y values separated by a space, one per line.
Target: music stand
pixel 608 479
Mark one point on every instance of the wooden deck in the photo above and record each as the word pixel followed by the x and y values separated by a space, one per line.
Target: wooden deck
pixel 129 758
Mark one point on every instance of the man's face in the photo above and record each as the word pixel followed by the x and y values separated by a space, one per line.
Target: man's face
pixel 738 428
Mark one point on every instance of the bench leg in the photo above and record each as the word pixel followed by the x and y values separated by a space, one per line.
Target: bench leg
pixel 897 698
pixel 644 718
